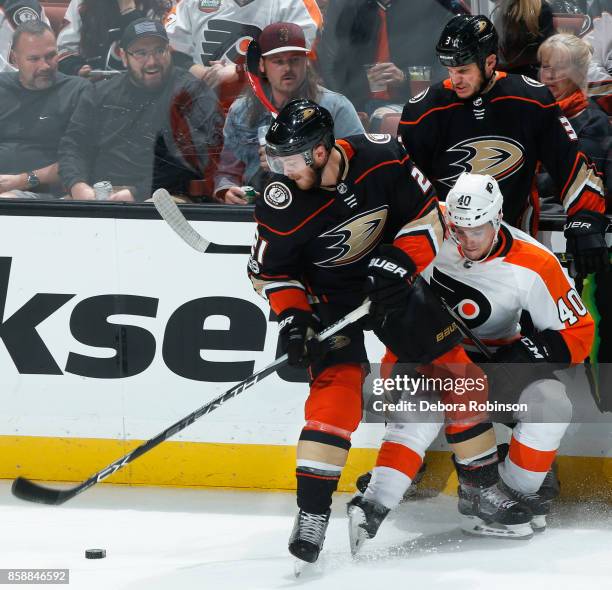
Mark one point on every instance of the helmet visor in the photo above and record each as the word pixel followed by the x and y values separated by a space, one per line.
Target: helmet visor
pixel 293 164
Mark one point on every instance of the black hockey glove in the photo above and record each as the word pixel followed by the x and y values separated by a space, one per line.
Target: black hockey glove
pixel 585 234
pixel 530 349
pixel 391 274
pixel 296 330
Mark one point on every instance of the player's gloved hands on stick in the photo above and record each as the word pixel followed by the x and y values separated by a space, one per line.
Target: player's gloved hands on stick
pixel 296 330
pixel 585 233
pixel 391 274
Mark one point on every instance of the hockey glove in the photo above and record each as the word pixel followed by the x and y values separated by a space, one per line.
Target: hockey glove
pixel 526 350
pixel 296 330
pixel 585 234
pixel 391 274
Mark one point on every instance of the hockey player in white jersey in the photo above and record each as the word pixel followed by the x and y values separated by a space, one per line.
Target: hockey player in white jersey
pixel 211 36
pixel 490 273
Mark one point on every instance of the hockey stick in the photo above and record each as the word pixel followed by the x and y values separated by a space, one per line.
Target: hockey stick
pixel 32 492
pixel 467 332
pixel 253 56
pixel 170 212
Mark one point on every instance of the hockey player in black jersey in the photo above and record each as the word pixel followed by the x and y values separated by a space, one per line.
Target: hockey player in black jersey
pixel 487 122
pixel 342 220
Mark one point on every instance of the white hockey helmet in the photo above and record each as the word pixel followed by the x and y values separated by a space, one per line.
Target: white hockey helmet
pixel 473 201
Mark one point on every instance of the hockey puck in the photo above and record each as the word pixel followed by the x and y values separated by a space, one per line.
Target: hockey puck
pixel 95 553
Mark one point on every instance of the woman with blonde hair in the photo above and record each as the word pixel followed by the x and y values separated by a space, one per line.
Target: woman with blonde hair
pixel 522 26
pixel 564 64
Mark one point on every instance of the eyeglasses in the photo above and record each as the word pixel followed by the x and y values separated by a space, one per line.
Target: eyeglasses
pixel 143 54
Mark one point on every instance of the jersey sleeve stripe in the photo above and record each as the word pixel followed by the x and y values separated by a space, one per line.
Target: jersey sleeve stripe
pixel 387 163
pixel 314 11
pixel 531 100
pixel 300 225
pixel 427 113
pixel 583 176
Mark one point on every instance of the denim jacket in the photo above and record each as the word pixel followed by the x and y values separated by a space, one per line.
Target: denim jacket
pixel 239 160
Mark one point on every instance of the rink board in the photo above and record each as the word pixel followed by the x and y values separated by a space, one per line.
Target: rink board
pixel 113 329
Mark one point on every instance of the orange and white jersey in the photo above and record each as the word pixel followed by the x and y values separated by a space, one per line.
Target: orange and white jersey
pixel 222 29
pixel 520 275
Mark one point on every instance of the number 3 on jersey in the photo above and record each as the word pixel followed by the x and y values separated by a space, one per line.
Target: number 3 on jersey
pixel 566 309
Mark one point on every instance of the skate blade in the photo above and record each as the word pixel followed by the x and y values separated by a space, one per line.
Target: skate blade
pixel 538 523
pixel 305 569
pixel 472 525
pixel 357 535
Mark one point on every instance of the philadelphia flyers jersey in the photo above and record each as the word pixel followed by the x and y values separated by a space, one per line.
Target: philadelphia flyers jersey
pixel 314 246
pixel 221 29
pixel 520 275
pixel 505 132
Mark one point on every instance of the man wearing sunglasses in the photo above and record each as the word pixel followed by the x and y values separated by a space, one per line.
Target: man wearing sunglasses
pixel 153 126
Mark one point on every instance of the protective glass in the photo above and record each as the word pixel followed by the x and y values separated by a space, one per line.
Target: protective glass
pixel 293 164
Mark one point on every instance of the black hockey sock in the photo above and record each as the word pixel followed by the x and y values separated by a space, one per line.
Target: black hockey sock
pixel 315 489
pixel 481 473
pixel 317 479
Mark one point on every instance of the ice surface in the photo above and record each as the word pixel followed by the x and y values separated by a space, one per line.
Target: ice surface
pixel 183 539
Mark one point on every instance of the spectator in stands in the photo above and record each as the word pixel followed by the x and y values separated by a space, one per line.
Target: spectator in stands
pixel 153 126
pixel 522 26
pixel 12 14
pixel 600 69
pixel 288 74
pixel 210 38
pixel 93 28
pixel 564 65
pixel 37 103
pixel 368 46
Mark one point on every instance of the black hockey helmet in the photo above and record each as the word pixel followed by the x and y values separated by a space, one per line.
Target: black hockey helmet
pixel 300 126
pixel 467 39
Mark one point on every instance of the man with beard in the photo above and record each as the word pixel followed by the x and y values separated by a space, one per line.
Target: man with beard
pixel 153 126
pixel 287 74
pixel 37 103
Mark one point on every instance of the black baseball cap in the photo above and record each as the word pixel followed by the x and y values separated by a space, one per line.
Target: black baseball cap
pixel 142 27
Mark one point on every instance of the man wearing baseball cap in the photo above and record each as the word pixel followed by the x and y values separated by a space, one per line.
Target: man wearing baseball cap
pixel 286 74
pixel 152 126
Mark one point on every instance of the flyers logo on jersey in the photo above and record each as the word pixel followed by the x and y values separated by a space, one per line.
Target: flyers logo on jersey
pixel 470 303
pixel 498 156
pixel 355 238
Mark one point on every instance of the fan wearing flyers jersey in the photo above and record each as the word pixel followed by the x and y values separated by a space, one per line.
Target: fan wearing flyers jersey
pixel 210 37
pixel 279 70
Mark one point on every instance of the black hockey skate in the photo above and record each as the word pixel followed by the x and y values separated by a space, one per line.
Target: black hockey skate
pixel 365 517
pixel 306 540
pixel 538 502
pixel 364 479
pixel 492 512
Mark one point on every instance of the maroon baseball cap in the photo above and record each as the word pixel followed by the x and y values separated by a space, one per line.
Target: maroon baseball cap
pixel 279 37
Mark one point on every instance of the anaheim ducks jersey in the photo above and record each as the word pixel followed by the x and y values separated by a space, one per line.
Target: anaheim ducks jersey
pixel 12 14
pixel 222 29
pixel 505 133
pixel 521 275
pixel 314 246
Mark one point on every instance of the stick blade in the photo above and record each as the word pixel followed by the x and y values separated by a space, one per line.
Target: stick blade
pixel 168 209
pixel 27 490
